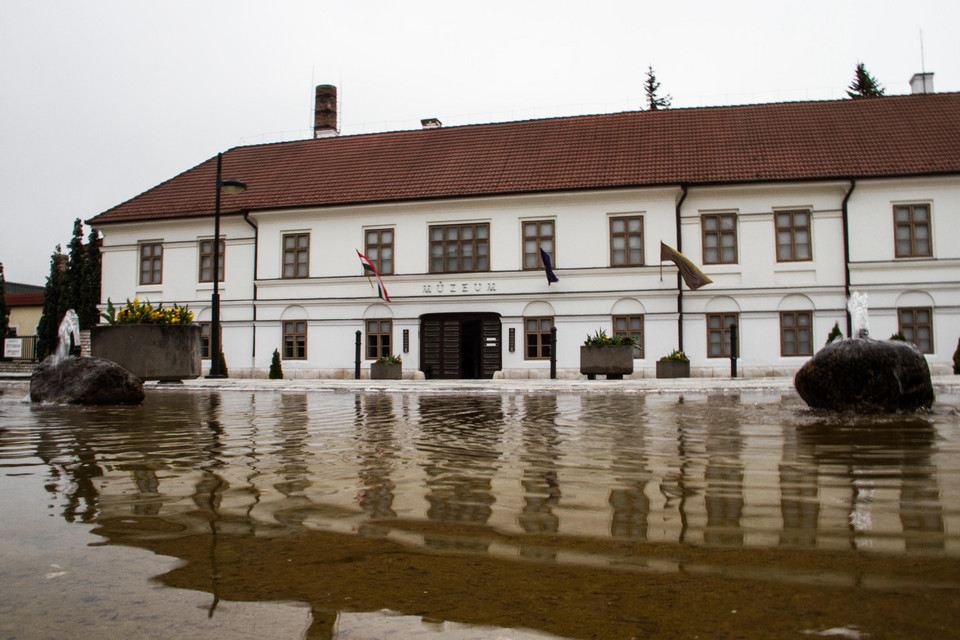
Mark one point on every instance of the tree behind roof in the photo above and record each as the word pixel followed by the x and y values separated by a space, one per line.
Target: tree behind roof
pixel 4 309
pixel 650 88
pixel 864 85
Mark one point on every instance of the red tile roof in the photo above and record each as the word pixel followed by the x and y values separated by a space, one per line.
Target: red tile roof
pixel 869 137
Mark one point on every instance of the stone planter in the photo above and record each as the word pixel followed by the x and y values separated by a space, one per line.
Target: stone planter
pixel 386 371
pixel 150 351
pixel 613 361
pixel 673 369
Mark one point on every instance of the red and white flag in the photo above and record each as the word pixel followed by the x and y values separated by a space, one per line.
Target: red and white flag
pixel 369 270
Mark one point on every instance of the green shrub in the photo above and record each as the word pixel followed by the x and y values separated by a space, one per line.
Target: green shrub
pixel 835 333
pixel 276 371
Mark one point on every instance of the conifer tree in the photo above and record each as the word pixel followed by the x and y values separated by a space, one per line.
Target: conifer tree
pixel 87 311
pixel 73 276
pixel 650 88
pixel 53 307
pixel 4 309
pixel 864 85
pixel 276 370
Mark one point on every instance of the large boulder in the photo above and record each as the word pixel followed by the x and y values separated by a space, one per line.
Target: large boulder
pixel 863 375
pixel 84 381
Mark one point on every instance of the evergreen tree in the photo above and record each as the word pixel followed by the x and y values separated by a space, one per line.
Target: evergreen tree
pixel 53 307
pixel 87 311
pixel 835 333
pixel 4 309
pixel 864 85
pixel 956 359
pixel 72 278
pixel 650 87
pixel 276 371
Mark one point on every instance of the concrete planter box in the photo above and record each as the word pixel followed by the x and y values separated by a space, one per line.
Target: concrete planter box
pixel 150 351
pixel 673 369
pixel 386 371
pixel 614 361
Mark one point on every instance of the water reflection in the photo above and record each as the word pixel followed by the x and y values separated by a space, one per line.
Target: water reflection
pixel 342 501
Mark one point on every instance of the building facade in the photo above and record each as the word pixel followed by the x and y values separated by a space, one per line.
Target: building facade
pixel 787 208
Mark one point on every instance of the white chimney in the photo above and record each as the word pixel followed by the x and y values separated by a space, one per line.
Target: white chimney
pixel 922 82
pixel 431 123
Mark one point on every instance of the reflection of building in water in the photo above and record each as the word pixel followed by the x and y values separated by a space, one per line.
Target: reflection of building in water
pixel 462 444
pixel 539 475
pixel 724 495
pixel 628 498
pixel 375 424
pixel 700 471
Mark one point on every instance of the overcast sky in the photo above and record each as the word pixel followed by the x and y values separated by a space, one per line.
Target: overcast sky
pixel 101 100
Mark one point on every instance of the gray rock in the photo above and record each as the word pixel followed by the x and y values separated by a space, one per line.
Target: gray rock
pixel 84 381
pixel 866 376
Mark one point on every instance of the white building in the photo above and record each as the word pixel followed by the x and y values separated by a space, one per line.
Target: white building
pixel 787 207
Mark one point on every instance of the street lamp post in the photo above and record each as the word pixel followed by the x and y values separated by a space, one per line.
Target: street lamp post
pixel 230 186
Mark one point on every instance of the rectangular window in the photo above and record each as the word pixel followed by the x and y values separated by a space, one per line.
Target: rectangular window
pixel 294 339
pixel 460 248
pixel 537 235
pixel 718 334
pixel 379 341
pixel 631 327
pixel 626 241
pixel 912 229
pixel 378 248
pixel 151 263
pixel 796 333
pixel 536 335
pixel 296 255
pixel 205 340
pixel 916 325
pixel 206 261
pixel 793 236
pixel 719 238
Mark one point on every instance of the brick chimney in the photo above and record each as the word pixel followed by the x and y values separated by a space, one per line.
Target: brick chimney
pixel 325 112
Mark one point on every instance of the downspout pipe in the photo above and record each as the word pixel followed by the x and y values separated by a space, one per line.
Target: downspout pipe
pixel 253 328
pixel 683 196
pixel 846 254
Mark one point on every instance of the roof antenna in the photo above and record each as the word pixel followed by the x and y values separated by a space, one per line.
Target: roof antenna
pixel 923 65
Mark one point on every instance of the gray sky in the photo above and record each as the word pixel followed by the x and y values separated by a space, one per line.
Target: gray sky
pixel 102 99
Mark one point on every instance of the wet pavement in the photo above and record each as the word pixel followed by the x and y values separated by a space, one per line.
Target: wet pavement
pixel 460 510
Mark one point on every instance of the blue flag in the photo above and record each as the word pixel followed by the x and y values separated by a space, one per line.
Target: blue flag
pixel 551 276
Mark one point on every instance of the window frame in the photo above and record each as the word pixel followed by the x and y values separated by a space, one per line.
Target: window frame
pixel 208 255
pixel 296 252
pixel 375 347
pixel 205 335
pixel 915 326
pixel 626 234
pixel 911 225
pixel 724 331
pixel 294 350
pixel 630 332
pixel 793 229
pixel 541 337
pixel 374 250
pixel 531 260
pixel 797 328
pixel 445 244
pixel 719 232
pixel 155 270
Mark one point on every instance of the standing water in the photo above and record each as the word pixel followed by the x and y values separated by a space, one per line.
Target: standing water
pixel 454 516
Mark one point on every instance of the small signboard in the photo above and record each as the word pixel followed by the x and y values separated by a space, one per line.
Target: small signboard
pixel 13 348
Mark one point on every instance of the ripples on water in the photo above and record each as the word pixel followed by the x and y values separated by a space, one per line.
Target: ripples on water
pixel 549 479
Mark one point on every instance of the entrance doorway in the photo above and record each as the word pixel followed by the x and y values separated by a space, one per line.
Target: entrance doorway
pixel 460 345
